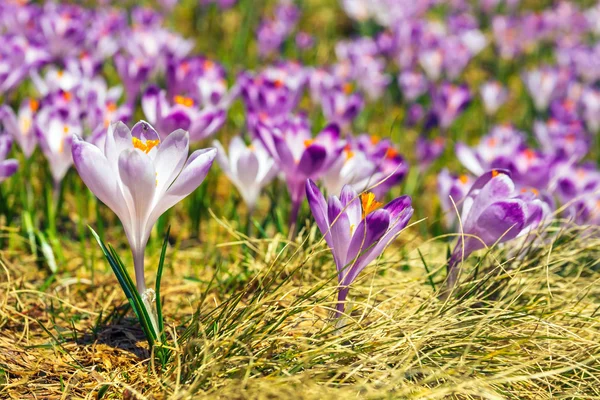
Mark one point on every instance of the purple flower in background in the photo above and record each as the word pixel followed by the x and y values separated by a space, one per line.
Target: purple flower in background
pixel 356 229
pixel 500 145
pixel 391 168
pixel 432 62
pixel 590 100
pixel 428 151
pixel 493 95
pixel 21 125
pixel 208 87
pixel 414 115
pixel 272 32
pixel 181 113
pixel 139 177
pixel 133 73
pixel 7 166
pixel 562 140
pixel 493 212
pixel 452 189
pixel 249 168
pixel 62 28
pixel 542 85
pixel 507 36
pixel 18 57
pixel 55 129
pixel 304 40
pixel 275 91
pixel 449 101
pixel 341 106
pixel 412 84
pixel 300 156
pixel 352 167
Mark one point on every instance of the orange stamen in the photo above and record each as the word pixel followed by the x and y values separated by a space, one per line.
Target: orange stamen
pixel 391 153
pixel 34 105
pixel 369 204
pixel 348 88
pixel 308 142
pixel 495 173
pixel 184 101
pixel 375 139
pixel 110 106
pixel 464 179
pixel 67 96
pixel 278 83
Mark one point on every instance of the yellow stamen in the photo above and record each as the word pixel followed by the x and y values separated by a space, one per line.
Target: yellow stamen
pixel 369 204
pixel 60 73
pixel 495 173
pixel 184 101
pixel 375 139
pixel 145 147
pixel 110 106
pixel 65 129
pixel 308 142
pixel 464 179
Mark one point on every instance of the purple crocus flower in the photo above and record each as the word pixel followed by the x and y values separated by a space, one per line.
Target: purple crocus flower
pixel 493 212
pixel 502 143
pixel 249 168
pixel 562 140
pixel 18 57
pixel 21 125
pixel 357 229
pixel 304 40
pixel 449 101
pixel 133 73
pixel 493 95
pixel 182 113
pixel 542 85
pixel 55 129
pixel 590 100
pixel 352 167
pixel 300 156
pixel 412 84
pixel 341 106
pixel 428 151
pixel 7 166
pixel 452 189
pixel 139 177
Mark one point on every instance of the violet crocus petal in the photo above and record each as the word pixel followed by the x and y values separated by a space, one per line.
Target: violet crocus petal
pixel 498 187
pixel 330 134
pixel 237 147
pixel 368 232
pixel 486 177
pixel 144 131
pixel 283 152
pixel 468 159
pixel 222 159
pixel 503 220
pixel 118 139
pixel 207 123
pixel 8 168
pixel 312 160
pixel 151 103
pixel 5 145
pixel 138 176
pixel 97 174
pixel 247 168
pixel 341 231
pixel 318 207
pixel 351 204
pixel 170 158
pixel 192 175
pixel 177 119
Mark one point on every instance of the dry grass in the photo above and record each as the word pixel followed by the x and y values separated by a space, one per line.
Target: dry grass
pixel 263 329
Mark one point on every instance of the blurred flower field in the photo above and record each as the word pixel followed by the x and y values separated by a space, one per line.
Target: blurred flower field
pixel 312 199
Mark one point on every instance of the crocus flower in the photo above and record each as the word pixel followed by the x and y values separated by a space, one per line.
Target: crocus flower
pixel 352 167
pixel 452 189
pixel 357 229
pixel 493 212
pixel 7 166
pixel 55 129
pixel 591 108
pixel 21 126
pixel 341 106
pixel 139 176
pixel 493 96
pixel 412 84
pixel 300 156
pixel 181 113
pixel 250 168
pixel 563 140
pixel 542 84
pixel 428 151
pixel 449 102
